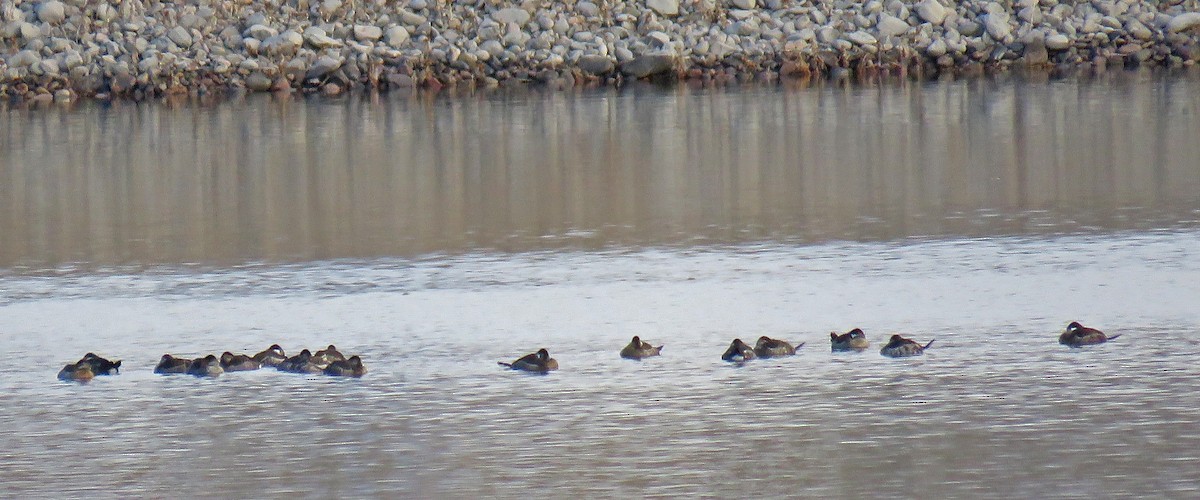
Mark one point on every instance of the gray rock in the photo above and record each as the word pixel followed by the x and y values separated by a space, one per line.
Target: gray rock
pixel 258 82
pixel 367 33
pixel 936 49
pixel 260 32
pixel 24 58
pixel 648 65
pixel 511 15
pixel 106 12
pixel 889 25
pixel 180 36
pixel 932 12
pixel 664 7
pixel 596 64
pixel 410 18
pixel 1035 53
pixel 997 26
pixel 1058 41
pixel 324 65
pixel 861 38
pixel 30 31
pixel 1139 30
pixel 744 4
pixel 317 38
pixel 52 12
pixel 590 9
pixel 1184 22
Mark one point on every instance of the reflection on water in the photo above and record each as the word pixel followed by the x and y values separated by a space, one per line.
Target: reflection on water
pixel 436 237
pixel 263 180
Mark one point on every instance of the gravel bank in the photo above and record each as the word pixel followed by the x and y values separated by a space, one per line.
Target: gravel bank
pixel 65 49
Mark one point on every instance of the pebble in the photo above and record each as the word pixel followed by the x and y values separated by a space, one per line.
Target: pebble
pixel 663 7
pixel 52 12
pixel 331 46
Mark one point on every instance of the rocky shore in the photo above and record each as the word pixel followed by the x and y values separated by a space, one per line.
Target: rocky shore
pixel 66 49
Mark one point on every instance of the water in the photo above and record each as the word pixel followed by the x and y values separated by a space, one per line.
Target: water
pixel 436 236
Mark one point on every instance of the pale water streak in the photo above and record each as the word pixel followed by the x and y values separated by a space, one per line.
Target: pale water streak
pixel 436 237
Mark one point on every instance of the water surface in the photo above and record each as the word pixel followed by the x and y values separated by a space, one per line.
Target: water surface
pixel 437 236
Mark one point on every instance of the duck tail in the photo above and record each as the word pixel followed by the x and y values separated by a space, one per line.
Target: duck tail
pixel 798 346
pixel 1111 337
pixel 506 365
pixel 927 345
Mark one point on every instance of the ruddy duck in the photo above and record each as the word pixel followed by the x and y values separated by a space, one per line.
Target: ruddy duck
pixel 899 347
pixel 80 371
pixel 101 366
pixel 1077 335
pixel 638 349
pixel 208 366
pixel 271 357
pixel 538 362
pixel 327 355
pixel 169 364
pixel 352 367
pixel 231 362
pixel 853 340
pixel 738 351
pixel 767 347
pixel 300 363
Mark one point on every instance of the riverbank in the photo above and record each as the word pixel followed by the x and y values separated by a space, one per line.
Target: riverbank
pixel 56 50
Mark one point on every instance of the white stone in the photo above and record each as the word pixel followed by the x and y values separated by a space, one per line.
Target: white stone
pixel 1057 41
pixel 589 9
pixel 324 65
pixel 318 39
pixel 511 15
pixel 52 12
pixel 180 36
pixel 889 25
pixel 30 31
pixel 260 32
pixel 106 12
pixel 24 58
pixel 744 4
pixel 862 38
pixel 396 36
pixel 997 26
pixel 936 49
pixel 411 18
pixel 664 7
pixel 367 33
pixel 1184 22
pixel 931 11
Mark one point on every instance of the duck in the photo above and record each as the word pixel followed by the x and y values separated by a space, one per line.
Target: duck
pixel 853 340
pixel 327 355
pixel 738 352
pixel 208 366
pixel 101 366
pixel 231 362
pixel 352 367
pixel 899 347
pixel 169 364
pixel 1077 335
pixel 300 363
pixel 79 371
pixel 272 356
pixel 538 362
pixel 638 349
pixel 767 347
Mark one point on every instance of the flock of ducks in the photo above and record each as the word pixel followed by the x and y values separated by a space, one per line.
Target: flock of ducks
pixel 1076 335
pixel 329 361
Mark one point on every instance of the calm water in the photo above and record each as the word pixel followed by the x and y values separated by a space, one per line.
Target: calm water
pixel 436 236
